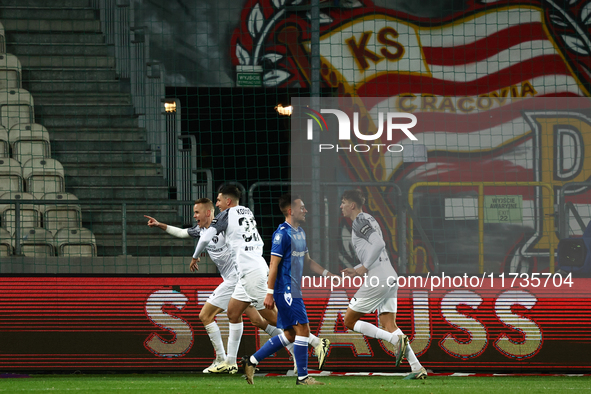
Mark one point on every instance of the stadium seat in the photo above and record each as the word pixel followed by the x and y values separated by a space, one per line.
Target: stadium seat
pixel 6 241
pixel 11 76
pixel 16 106
pixel 75 242
pixel 31 212
pixel 4 145
pixel 43 176
pixel 2 39
pixel 37 242
pixel 11 175
pixel 29 141
pixel 58 216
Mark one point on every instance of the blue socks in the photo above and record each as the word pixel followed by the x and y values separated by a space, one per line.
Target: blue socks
pixel 272 346
pixel 300 352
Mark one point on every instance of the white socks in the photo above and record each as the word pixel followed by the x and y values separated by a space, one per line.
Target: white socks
pixel 215 337
pixel 372 331
pixel 313 340
pixel 234 341
pixel 411 357
pixel 369 330
pixel 273 331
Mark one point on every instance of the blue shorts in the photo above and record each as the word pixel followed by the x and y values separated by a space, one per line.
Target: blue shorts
pixel 290 311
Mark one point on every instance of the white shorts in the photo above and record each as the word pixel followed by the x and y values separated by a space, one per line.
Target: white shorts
pixel 370 305
pixel 222 294
pixel 369 299
pixel 252 288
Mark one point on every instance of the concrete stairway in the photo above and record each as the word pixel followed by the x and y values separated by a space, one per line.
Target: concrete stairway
pixel 94 132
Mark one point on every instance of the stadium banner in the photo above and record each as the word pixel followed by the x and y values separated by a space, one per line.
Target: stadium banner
pixel 152 323
pixel 480 175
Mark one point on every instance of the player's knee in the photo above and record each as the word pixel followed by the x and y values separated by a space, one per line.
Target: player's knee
pixel 234 317
pixel 350 322
pixel 205 318
pixel 290 335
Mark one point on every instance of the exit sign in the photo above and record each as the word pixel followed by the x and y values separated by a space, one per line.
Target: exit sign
pixel 249 76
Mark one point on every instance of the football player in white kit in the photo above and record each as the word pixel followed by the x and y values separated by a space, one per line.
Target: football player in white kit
pixel 246 245
pixel 379 295
pixel 220 254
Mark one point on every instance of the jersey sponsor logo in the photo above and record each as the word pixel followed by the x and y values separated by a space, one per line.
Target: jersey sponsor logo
pixel 277 239
pixel 298 254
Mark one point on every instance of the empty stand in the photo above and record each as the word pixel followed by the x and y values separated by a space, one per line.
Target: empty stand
pixel 69 69
pixel 75 242
pixel 16 106
pixel 2 39
pixel 29 141
pixel 11 175
pixel 58 216
pixel 30 211
pixel 11 75
pixel 4 145
pixel 43 176
pixel 37 242
pixel 6 243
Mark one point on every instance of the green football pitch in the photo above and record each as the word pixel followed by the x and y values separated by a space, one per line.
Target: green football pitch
pixel 210 384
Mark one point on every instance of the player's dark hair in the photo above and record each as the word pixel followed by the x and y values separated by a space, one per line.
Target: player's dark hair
pixel 230 191
pixel 286 201
pixel 204 201
pixel 354 195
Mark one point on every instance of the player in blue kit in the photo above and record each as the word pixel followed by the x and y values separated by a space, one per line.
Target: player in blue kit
pixel 289 254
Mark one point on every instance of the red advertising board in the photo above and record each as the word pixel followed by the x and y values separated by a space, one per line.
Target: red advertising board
pixel 152 323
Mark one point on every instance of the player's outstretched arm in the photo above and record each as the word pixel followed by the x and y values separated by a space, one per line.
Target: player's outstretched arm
pixel 174 231
pixel 155 223
pixel 315 267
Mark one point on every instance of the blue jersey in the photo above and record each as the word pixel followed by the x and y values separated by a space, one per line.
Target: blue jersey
pixel 290 245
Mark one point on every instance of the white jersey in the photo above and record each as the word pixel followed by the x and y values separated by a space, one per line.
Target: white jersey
pixel 219 252
pixel 364 226
pixel 243 238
